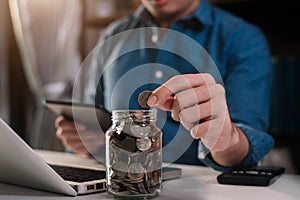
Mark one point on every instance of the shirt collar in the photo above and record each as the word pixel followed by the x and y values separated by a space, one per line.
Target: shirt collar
pixel 203 13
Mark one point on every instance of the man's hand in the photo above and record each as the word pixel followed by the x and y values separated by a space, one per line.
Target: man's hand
pixel 199 104
pixel 77 137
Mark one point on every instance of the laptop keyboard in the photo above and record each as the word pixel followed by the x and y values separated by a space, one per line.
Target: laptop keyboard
pixel 78 174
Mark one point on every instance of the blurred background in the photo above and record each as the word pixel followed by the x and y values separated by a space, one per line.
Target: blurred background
pixel 43 42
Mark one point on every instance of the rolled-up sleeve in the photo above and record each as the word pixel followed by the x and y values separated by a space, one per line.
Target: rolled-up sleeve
pixel 260 144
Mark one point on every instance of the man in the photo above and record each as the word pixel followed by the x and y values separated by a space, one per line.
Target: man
pixel 227 123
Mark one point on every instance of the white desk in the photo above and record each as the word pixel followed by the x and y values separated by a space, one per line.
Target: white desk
pixel 196 183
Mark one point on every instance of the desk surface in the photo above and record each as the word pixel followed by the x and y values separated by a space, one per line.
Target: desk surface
pixel 196 183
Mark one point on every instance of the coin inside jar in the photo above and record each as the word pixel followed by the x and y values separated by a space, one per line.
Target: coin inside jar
pixel 136 171
pixel 143 98
pixel 125 142
pixel 144 143
pixel 139 131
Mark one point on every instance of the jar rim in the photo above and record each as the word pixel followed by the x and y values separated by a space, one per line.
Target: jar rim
pixel 135 113
pixel 134 110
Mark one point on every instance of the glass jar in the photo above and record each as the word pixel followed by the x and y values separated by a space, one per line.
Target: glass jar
pixel 134 154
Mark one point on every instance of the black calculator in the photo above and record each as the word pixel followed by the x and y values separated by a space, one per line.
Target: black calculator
pixel 254 176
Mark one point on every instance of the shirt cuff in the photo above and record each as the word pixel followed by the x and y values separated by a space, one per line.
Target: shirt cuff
pixel 260 143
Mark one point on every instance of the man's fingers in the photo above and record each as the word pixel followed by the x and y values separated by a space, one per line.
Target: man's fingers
pixel 167 105
pixel 200 130
pixel 76 146
pixel 197 103
pixel 210 133
pixel 196 113
pixel 81 150
pixel 61 122
pixel 62 133
pixel 176 84
pixel 190 97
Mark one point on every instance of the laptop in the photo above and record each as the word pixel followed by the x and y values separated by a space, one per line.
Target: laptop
pixel 21 165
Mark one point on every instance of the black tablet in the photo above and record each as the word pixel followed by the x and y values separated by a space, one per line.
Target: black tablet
pixel 89 115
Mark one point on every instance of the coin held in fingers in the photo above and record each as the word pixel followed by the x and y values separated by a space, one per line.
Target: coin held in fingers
pixel 143 98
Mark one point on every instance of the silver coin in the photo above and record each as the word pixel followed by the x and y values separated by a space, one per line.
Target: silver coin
pixel 136 171
pixel 143 144
pixel 143 98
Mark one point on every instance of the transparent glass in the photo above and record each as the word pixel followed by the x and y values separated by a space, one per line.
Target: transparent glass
pixel 134 154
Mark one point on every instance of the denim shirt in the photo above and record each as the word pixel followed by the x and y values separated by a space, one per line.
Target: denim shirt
pixel 237 49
